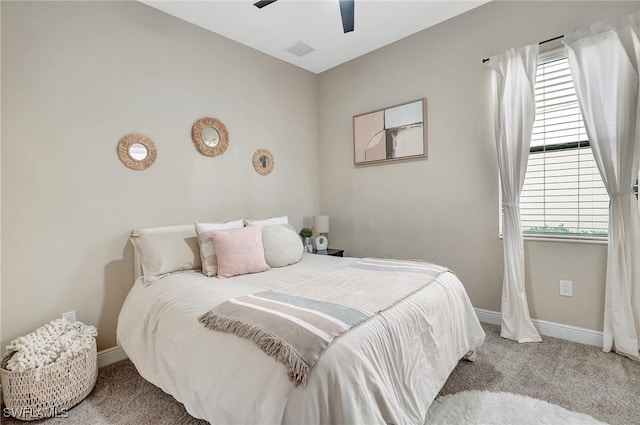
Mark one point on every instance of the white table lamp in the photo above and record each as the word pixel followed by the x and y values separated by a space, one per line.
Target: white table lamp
pixel 320 226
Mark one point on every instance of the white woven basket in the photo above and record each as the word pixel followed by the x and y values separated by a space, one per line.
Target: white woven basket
pixel 51 390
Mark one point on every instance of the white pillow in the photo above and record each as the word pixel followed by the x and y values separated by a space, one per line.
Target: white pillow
pixel 267 221
pixel 207 248
pixel 282 245
pixel 164 250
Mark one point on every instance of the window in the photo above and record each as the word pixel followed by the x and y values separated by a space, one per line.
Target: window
pixel 563 192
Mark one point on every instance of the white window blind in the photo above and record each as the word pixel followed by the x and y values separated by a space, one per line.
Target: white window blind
pixel 563 192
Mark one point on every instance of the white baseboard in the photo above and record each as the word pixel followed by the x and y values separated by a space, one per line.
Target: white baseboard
pixel 111 355
pixel 552 329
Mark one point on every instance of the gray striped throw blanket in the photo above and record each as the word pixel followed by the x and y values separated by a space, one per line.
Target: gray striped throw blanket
pixel 295 325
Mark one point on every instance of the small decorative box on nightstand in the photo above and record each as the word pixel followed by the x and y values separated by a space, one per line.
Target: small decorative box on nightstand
pixel 329 251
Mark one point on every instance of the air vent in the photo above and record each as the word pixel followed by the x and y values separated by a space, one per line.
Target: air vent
pixel 300 49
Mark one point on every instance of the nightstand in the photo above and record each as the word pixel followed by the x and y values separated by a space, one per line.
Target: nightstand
pixel 329 251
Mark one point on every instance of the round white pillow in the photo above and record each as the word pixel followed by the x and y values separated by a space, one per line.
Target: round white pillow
pixel 282 245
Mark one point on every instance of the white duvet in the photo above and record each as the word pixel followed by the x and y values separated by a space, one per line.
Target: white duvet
pixel 386 370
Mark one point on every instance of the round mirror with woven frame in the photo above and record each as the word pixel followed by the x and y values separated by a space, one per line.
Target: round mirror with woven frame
pixel 263 162
pixel 210 136
pixel 137 151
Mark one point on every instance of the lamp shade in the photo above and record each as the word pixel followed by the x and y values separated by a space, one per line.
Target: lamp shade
pixel 321 223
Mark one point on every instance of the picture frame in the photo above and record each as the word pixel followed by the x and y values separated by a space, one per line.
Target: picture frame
pixel 392 134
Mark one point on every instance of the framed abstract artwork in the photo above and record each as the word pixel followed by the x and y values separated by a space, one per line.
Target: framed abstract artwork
pixel 396 133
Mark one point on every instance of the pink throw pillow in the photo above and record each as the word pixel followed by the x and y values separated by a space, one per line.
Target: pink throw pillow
pixel 239 251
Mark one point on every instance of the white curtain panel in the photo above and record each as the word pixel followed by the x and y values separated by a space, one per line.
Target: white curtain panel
pixel 513 78
pixel 604 64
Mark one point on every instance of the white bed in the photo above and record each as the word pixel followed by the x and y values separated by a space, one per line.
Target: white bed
pixel 386 370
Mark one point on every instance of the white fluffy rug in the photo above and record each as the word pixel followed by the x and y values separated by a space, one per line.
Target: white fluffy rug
pixel 483 407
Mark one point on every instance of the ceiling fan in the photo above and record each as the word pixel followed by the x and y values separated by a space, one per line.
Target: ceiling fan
pixel 346 10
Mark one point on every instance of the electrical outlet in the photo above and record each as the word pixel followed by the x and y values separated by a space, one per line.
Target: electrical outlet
pixel 70 316
pixel 566 288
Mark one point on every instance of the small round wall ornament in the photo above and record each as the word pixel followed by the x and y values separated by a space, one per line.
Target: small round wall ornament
pixel 263 162
pixel 210 136
pixel 137 151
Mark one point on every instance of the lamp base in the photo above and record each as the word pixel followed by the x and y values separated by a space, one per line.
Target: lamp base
pixel 322 243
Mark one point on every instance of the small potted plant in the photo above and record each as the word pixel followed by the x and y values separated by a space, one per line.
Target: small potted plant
pixel 306 234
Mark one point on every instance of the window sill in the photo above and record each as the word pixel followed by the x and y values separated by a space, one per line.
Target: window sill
pixel 569 239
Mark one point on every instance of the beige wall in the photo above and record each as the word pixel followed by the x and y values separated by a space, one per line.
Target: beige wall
pixel 78 76
pixel 445 209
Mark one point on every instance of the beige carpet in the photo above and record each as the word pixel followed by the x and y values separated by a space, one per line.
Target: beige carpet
pixel 577 377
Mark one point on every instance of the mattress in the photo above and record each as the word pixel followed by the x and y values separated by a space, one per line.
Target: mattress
pixel 386 370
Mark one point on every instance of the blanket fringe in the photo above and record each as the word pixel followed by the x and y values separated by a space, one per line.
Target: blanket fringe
pixel 297 369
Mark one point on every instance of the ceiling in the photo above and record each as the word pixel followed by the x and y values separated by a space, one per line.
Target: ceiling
pixel 316 23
